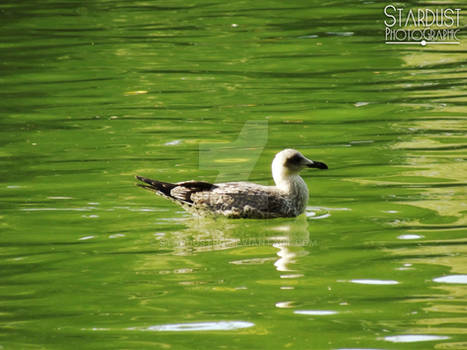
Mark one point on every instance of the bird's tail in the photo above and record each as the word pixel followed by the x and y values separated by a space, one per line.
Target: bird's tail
pixel 160 187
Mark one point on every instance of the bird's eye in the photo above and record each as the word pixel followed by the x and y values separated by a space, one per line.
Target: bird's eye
pixel 295 159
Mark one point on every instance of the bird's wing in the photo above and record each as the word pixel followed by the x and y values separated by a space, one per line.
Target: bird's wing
pixel 240 199
pixel 184 190
pixel 180 191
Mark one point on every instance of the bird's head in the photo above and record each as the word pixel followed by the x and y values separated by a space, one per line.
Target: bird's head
pixel 290 161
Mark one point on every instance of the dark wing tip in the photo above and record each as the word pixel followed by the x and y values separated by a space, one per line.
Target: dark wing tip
pixel 144 186
pixel 143 179
pixel 148 183
pixel 156 185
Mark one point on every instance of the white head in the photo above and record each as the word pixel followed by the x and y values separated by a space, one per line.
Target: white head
pixel 288 163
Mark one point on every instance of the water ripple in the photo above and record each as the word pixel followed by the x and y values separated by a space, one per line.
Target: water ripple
pixel 459 279
pixel 374 282
pixel 198 326
pixel 412 338
pixel 315 312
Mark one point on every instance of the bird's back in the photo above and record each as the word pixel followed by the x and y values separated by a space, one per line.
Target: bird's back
pixel 243 200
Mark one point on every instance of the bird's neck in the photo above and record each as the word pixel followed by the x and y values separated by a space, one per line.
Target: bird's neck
pixel 291 183
pixel 293 186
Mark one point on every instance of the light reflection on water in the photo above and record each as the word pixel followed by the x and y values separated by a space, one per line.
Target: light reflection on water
pixel 410 236
pixel 455 279
pixel 413 338
pixel 315 312
pixel 374 282
pixel 208 234
pixel 198 326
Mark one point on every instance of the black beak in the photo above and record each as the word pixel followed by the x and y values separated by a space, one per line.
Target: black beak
pixel 315 164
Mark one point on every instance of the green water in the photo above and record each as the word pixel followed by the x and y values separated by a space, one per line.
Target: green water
pixel 94 92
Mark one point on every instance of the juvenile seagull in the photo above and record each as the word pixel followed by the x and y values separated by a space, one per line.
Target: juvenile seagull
pixel 287 198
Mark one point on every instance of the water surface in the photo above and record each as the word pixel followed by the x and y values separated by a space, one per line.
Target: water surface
pixel 96 92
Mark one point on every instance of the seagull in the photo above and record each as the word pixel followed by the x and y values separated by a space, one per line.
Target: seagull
pixel 288 198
